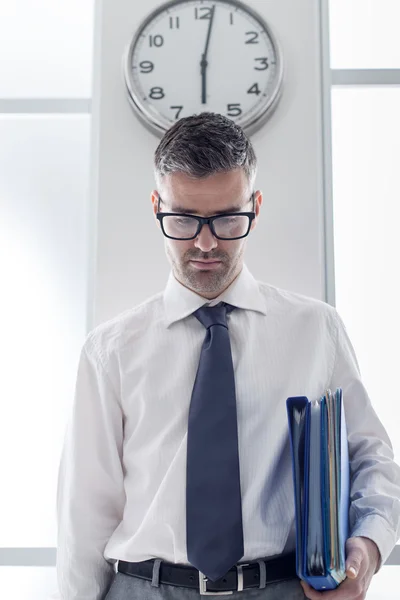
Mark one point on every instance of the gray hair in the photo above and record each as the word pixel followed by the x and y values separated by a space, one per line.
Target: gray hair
pixel 202 145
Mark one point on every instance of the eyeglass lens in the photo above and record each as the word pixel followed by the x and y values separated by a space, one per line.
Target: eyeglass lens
pixel 225 227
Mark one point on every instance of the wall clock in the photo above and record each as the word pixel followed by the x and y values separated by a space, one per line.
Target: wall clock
pixel 192 56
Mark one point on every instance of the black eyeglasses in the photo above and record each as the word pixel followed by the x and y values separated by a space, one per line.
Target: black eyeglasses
pixel 227 226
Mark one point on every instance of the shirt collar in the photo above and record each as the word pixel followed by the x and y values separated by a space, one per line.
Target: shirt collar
pixel 180 302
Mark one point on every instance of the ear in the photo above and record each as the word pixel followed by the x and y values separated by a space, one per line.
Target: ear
pixel 258 201
pixel 154 201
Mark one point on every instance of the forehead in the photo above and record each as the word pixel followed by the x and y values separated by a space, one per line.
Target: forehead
pixel 217 193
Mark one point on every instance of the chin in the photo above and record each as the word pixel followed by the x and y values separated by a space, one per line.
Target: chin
pixel 204 281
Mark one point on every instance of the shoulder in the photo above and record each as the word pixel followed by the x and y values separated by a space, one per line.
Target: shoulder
pixel 293 304
pixel 111 336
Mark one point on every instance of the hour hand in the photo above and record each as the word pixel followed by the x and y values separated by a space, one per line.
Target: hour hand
pixel 203 64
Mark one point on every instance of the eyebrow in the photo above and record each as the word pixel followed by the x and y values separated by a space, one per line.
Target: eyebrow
pixel 180 209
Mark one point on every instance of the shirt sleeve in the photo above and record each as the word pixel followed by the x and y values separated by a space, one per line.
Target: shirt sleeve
pixel 375 477
pixel 90 490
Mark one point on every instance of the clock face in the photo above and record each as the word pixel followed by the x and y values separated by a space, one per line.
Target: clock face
pixel 192 56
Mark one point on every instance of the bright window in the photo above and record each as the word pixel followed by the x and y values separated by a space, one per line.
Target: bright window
pixel 366 192
pixel 365 34
pixel 46 48
pixel 43 263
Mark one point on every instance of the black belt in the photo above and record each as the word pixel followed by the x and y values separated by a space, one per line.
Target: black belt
pixel 239 577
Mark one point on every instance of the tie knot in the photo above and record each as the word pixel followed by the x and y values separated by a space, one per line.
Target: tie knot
pixel 213 315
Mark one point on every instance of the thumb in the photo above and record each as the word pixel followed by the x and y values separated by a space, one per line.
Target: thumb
pixel 354 559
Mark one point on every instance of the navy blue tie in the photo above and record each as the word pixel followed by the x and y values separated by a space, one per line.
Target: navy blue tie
pixel 214 527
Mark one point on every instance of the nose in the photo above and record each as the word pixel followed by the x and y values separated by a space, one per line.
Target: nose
pixel 205 241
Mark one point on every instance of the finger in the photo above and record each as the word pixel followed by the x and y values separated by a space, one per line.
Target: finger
pixel 355 555
pixel 347 590
pixel 351 572
pixel 310 592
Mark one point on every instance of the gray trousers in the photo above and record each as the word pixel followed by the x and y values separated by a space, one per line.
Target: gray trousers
pixel 126 587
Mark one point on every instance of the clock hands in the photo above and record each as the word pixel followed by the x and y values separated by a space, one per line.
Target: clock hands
pixel 204 62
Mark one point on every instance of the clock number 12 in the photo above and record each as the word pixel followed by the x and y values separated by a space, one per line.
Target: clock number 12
pixel 207 12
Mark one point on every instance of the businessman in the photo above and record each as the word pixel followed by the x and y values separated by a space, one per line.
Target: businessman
pixel 175 478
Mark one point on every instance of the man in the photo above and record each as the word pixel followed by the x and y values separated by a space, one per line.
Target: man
pixel 176 469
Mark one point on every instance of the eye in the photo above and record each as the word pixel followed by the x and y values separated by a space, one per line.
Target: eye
pixel 228 220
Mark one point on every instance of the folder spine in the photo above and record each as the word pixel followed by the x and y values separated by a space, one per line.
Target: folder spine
pixel 332 531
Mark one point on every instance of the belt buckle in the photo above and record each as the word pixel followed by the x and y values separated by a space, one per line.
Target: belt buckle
pixel 203 587
pixel 203 583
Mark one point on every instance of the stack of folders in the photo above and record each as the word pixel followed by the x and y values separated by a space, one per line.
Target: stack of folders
pixel 320 459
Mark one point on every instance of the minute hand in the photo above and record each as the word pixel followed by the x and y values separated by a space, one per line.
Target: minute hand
pixel 204 62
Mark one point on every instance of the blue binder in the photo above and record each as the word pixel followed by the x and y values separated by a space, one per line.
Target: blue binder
pixel 321 478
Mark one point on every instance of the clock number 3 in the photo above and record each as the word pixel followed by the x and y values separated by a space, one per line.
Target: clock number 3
pixel 264 62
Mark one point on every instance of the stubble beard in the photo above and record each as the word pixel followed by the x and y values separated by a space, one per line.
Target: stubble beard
pixel 207 281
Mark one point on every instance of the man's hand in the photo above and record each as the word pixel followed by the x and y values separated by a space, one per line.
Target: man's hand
pixel 362 556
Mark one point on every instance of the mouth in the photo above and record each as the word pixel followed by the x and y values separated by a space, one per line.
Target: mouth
pixel 205 264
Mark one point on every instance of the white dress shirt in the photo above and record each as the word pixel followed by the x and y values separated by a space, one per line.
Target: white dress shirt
pixel 121 488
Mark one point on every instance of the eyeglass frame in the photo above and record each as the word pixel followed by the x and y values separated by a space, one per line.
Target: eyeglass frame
pixel 207 221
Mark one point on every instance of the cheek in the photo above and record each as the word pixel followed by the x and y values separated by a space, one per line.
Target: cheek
pixel 232 248
pixel 178 249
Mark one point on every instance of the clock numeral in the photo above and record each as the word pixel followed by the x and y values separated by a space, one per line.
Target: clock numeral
pixel 234 110
pixel 254 89
pixel 203 13
pixel 252 40
pixel 179 108
pixel 156 40
pixel 174 22
pixel 157 93
pixel 264 62
pixel 146 66
pixel 231 18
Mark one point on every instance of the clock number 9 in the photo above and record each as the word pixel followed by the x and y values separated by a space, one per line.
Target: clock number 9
pixel 146 66
pixel 234 110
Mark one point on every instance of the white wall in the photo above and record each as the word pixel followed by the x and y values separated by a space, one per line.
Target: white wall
pixel 287 247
